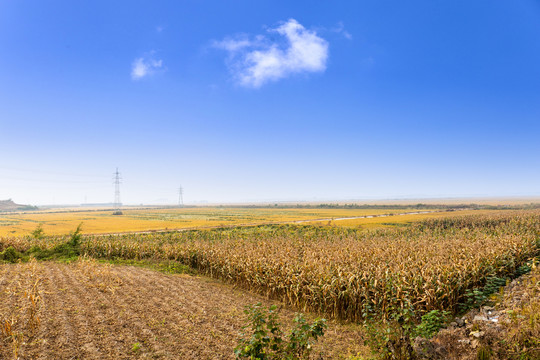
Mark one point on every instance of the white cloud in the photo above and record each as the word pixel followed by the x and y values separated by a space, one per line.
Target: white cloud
pixel 340 29
pixel 145 66
pixel 233 45
pixel 257 61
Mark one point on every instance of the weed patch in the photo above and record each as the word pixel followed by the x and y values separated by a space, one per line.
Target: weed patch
pixel 10 255
pixel 267 340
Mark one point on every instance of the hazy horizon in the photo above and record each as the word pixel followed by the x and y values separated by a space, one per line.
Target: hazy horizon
pixel 442 200
pixel 268 101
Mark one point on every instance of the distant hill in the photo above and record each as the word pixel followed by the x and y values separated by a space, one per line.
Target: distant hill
pixel 9 205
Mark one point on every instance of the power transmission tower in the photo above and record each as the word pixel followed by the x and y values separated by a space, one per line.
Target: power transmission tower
pixel 180 196
pixel 117 204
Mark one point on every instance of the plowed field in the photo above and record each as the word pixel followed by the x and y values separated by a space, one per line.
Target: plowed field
pixel 87 310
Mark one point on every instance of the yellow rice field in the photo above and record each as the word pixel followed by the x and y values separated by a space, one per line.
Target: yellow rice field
pixel 59 222
pixel 402 219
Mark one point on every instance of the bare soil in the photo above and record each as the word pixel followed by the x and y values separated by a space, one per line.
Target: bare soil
pixel 87 310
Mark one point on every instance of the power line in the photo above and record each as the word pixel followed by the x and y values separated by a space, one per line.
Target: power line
pixel 34 172
pixel 42 180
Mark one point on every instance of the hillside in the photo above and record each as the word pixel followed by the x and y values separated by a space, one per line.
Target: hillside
pixel 9 205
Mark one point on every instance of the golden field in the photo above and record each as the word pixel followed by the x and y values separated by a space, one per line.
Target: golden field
pixel 403 218
pixel 387 278
pixel 58 222
pixel 342 272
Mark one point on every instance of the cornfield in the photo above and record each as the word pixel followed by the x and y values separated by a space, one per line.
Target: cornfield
pixel 340 272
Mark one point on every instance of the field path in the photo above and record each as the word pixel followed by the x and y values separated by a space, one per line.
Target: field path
pixel 98 311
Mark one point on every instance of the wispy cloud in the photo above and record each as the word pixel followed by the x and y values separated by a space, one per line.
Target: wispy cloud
pixel 340 29
pixel 145 66
pixel 234 44
pixel 257 60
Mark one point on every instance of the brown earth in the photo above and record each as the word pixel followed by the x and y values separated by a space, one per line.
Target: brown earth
pixel 87 310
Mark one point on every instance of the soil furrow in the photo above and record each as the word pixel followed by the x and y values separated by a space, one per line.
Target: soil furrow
pixel 97 311
pixel 62 338
pixel 95 336
pixel 126 311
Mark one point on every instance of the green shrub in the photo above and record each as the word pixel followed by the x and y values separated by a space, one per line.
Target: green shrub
pixel 38 232
pixel 11 255
pixel 392 338
pixel 266 340
pixel 431 323
pixel 68 250
pixel 476 297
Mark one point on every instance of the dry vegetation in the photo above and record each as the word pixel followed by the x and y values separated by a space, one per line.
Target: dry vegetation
pixel 341 272
pixel 19 308
pixel 87 310
pixel 348 273
pixel 522 308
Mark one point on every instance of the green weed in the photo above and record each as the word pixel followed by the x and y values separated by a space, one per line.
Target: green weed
pixel 266 340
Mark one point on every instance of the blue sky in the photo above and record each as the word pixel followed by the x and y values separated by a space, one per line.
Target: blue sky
pixel 268 100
